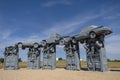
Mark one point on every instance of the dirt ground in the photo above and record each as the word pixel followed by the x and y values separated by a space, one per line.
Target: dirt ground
pixel 57 74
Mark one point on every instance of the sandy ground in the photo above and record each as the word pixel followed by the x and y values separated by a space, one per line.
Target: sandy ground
pixel 57 74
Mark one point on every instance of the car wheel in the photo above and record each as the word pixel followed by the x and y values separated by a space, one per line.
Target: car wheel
pixel 92 34
pixel 62 42
pixel 74 40
pixel 44 43
pixel 20 45
pixel 35 45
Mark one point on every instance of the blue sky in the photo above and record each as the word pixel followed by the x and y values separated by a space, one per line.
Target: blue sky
pixel 35 20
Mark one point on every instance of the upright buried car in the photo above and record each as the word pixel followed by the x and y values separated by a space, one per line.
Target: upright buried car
pixel 11 58
pixel 95 48
pixel 93 39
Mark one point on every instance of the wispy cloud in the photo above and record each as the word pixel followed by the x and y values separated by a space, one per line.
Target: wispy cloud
pixel 11 40
pixel 51 3
pixel 63 27
pixel 66 27
pixel 71 25
pixel 110 11
pixel 111 17
pixel 113 46
pixel 5 34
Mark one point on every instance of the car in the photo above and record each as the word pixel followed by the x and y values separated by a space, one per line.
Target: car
pixel 53 39
pixel 24 45
pixel 86 33
pixel 92 32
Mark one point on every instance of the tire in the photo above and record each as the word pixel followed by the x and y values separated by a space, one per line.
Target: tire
pixel 20 45
pixel 74 40
pixel 35 45
pixel 62 42
pixel 44 43
pixel 92 34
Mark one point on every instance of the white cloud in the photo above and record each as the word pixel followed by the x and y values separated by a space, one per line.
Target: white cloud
pixel 55 2
pixel 71 25
pixel 113 16
pixel 65 27
pixel 113 46
pixel 68 26
pixel 9 41
pixel 5 33
pixel 105 8
pixel 110 12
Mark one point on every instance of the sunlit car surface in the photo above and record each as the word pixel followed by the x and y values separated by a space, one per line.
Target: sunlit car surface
pixel 92 31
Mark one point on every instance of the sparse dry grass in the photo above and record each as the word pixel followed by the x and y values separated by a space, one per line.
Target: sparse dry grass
pixel 83 64
pixel 22 64
pixel 1 65
pixel 114 64
pixel 62 74
pixel 111 64
pixel 62 64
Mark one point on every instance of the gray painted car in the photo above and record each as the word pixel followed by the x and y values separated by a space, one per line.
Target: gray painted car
pixel 24 45
pixel 92 31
